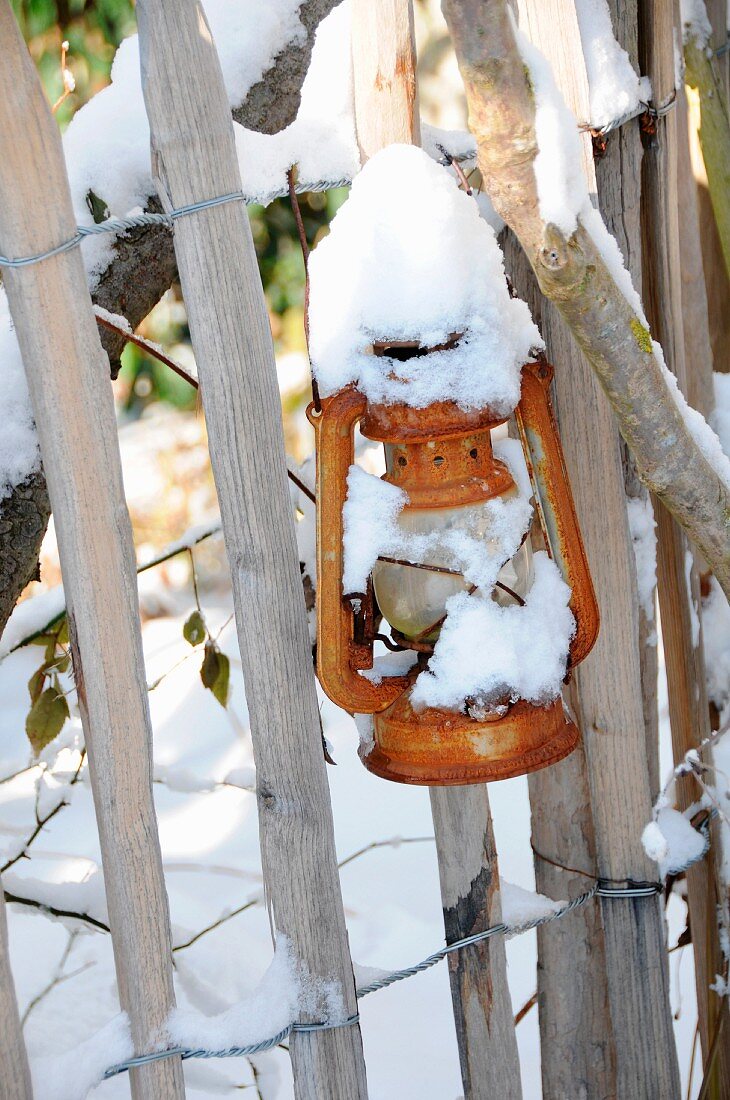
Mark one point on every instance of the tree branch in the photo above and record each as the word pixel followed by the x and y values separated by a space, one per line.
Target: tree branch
pixel 714 134
pixel 142 269
pixel 573 274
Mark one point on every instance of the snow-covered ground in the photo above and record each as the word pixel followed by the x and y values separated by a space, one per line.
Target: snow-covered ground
pixel 212 866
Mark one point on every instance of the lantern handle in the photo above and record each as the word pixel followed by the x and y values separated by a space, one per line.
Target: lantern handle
pixel 554 499
pixel 339 654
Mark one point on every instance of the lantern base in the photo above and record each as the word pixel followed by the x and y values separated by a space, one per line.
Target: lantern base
pixel 437 748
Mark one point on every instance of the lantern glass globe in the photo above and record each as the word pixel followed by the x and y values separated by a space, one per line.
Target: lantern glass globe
pixel 414 600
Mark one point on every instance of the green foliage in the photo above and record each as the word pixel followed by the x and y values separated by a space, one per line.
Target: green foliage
pixel 93 31
pixel 215 672
pixel 46 717
pixel 48 706
pixel 194 631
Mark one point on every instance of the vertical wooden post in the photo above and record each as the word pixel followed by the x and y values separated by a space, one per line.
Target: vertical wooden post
pixel 609 681
pixel 68 377
pixel 618 185
pixel 678 585
pixel 576 1034
pixel 194 158
pixel 469 875
pixel 14 1072
pixel 384 75
pixel 384 63
pixel 717 281
pixel 698 358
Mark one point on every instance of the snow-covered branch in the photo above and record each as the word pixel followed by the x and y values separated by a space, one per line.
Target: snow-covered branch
pixel 529 158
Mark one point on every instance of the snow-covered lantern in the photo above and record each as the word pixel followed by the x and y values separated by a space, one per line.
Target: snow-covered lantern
pixel 415 338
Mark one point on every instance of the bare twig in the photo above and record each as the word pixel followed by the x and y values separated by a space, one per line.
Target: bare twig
pixel 529 1003
pixel 41 822
pixel 258 898
pixel 58 976
pixel 147 346
pixel 68 914
pixel 69 84
pixel 291 180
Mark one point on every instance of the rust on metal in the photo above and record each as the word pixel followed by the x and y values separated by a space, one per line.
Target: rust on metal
pixel 442 457
pixel 339 655
pixel 447 471
pixel 441 748
pixel 554 501
pixel 402 423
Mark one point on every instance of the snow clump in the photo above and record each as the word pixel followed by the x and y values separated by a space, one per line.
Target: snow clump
pixel 409 258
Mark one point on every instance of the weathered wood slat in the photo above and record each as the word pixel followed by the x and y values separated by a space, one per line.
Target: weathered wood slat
pixel 384 75
pixel 698 359
pixel 576 1032
pixel 618 183
pixel 678 582
pixel 14 1072
pixel 194 158
pixel 612 719
pixel 68 376
pixel 469 876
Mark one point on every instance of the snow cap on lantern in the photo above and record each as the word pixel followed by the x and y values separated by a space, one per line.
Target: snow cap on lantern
pixel 409 258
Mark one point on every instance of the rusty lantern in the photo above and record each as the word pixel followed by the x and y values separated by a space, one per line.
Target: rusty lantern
pixel 442 457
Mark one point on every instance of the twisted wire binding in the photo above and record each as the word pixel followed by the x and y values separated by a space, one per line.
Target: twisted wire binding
pixel 642 109
pixel 139 221
pixel 117 225
pixel 601 888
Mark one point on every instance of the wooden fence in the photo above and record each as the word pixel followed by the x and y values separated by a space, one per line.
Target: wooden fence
pixel 603 983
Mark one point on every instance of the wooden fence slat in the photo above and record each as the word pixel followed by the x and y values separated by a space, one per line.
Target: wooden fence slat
pixel 68 377
pixel 609 681
pixel 469 875
pixel 386 111
pixel 576 1033
pixel 618 184
pixel 688 709
pixel 194 158
pixel 698 358
pixel 14 1072
pixel 717 281
pixel 384 75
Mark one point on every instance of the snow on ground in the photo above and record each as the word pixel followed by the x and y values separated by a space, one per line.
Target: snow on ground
pixel 210 848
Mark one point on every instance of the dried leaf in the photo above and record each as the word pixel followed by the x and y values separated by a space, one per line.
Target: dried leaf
pixel 62 663
pixel 194 631
pixel 36 683
pixel 215 673
pixel 97 207
pixel 46 718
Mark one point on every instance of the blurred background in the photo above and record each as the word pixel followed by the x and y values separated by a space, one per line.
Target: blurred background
pixel 162 432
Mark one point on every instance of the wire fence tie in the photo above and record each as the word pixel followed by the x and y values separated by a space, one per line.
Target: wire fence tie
pixel 607 888
pixel 602 887
pixel 117 225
